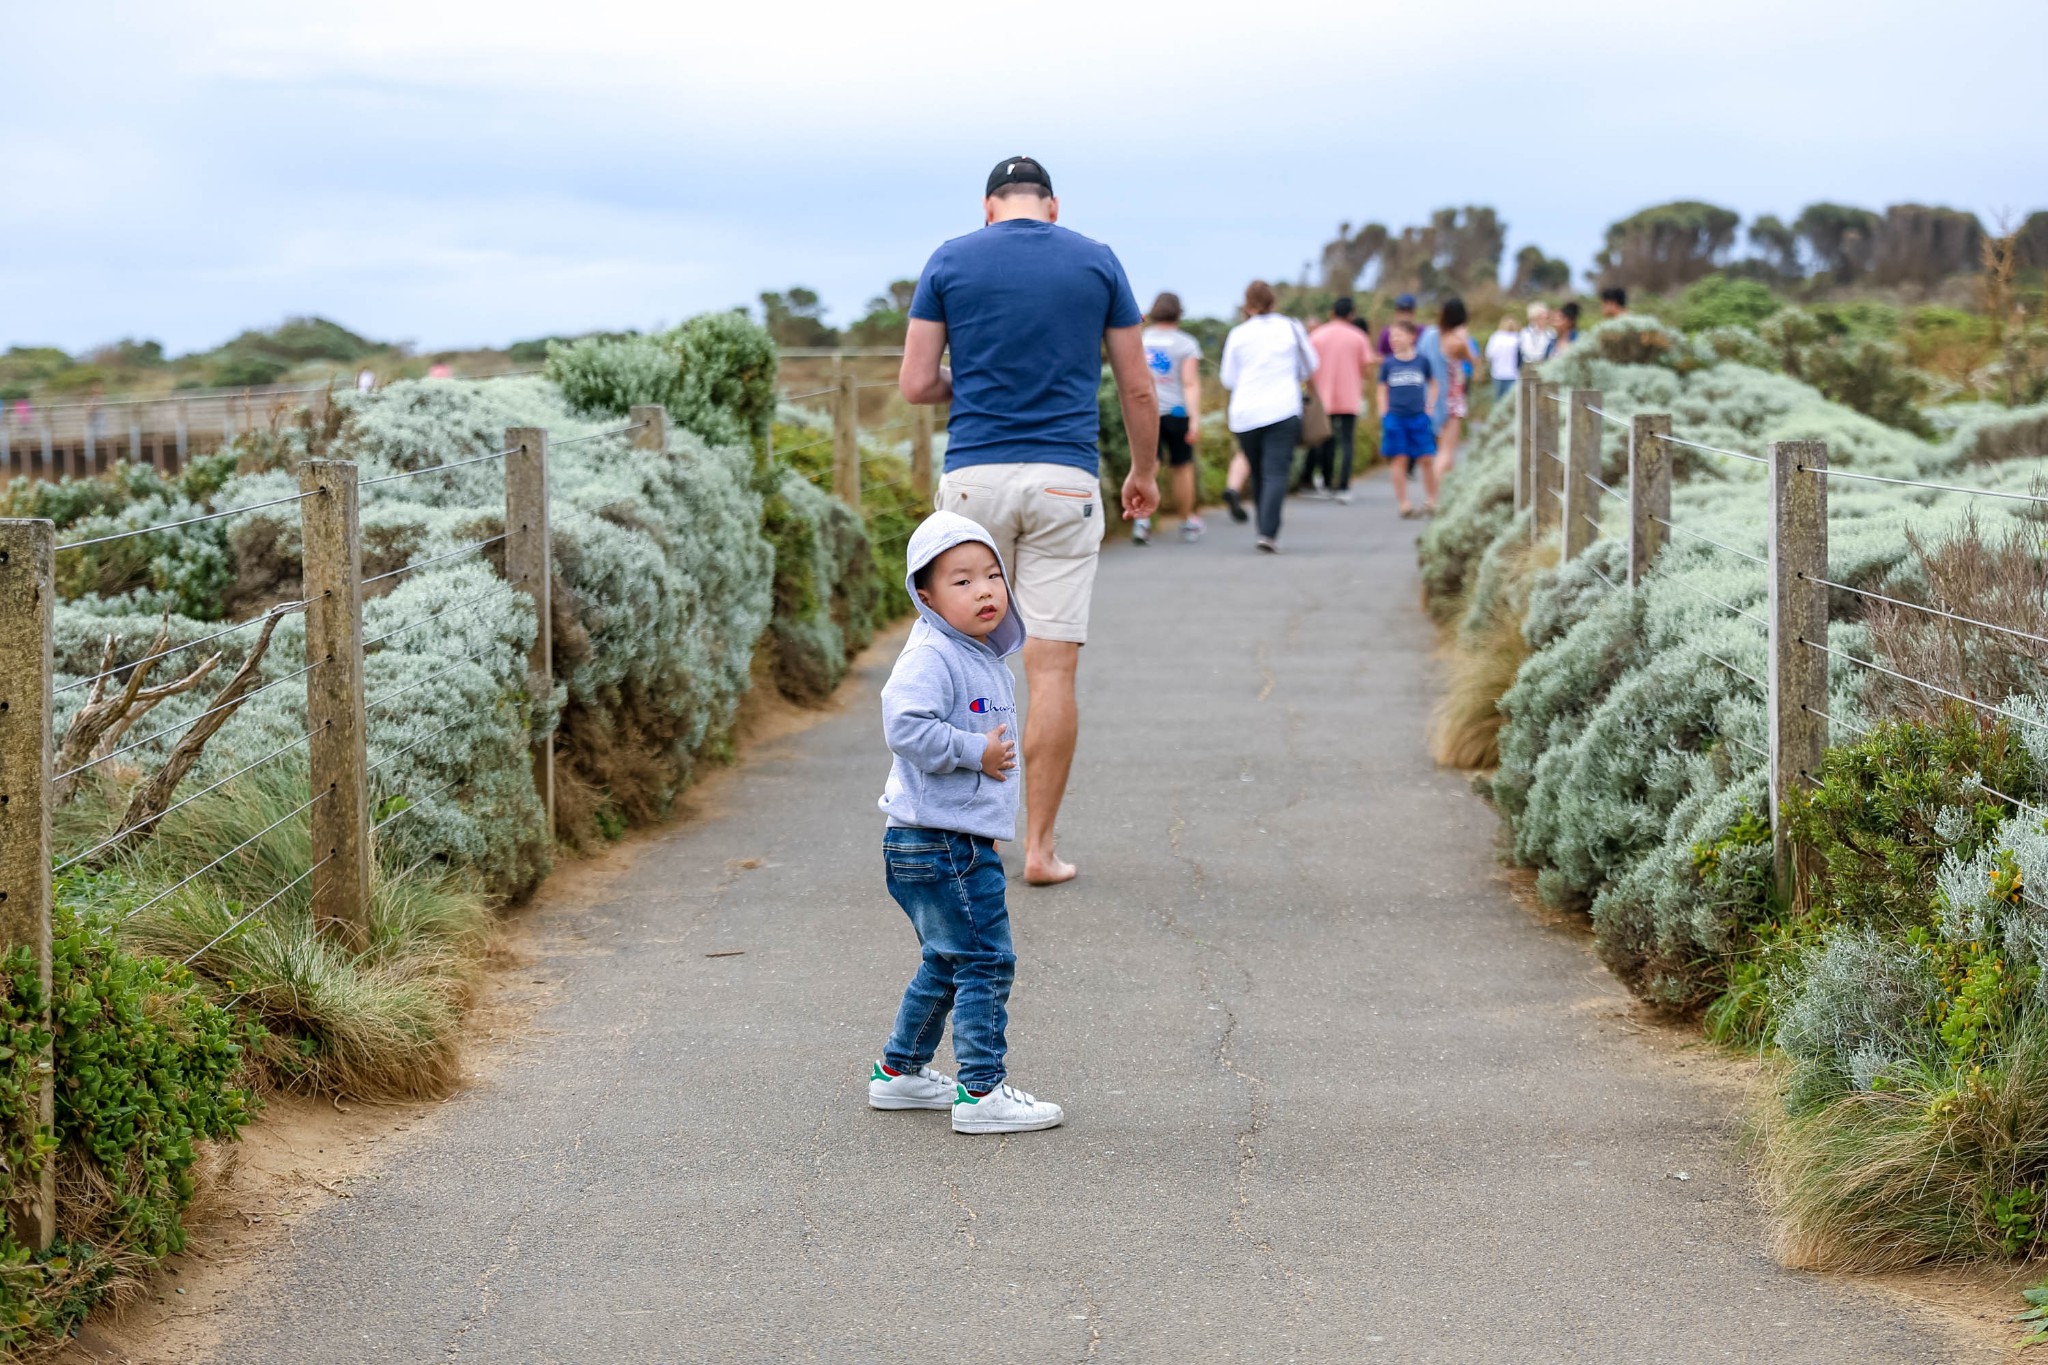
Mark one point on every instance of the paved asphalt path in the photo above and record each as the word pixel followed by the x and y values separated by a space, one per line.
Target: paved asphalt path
pixel 1331 1096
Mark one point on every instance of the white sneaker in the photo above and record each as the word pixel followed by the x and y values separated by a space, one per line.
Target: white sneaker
pixel 1004 1109
pixel 1191 530
pixel 1141 531
pixel 922 1089
pixel 1342 496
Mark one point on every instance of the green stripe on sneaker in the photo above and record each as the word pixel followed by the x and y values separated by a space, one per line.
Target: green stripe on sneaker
pixel 880 1075
pixel 960 1095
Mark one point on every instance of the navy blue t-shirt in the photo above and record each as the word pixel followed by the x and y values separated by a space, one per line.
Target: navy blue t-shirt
pixel 1025 305
pixel 1407 384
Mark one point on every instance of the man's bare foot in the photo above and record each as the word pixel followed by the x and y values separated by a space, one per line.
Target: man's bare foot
pixel 1047 870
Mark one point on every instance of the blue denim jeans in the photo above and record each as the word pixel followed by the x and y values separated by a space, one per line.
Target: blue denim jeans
pixel 952 887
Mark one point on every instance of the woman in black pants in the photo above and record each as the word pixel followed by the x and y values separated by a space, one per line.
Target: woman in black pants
pixel 1265 359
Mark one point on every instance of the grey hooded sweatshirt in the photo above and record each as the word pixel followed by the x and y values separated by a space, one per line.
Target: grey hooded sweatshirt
pixel 947 691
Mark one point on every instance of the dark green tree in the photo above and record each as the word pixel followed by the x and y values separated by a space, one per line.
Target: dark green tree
pixel 1667 246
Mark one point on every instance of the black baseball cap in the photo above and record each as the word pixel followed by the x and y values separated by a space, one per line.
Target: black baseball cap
pixel 1017 170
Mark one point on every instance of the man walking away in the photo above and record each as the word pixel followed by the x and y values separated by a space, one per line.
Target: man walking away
pixel 1504 355
pixel 1613 301
pixel 1175 360
pixel 1028 309
pixel 1344 355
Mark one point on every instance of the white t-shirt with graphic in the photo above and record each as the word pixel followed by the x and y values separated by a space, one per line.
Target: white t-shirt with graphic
pixel 1167 350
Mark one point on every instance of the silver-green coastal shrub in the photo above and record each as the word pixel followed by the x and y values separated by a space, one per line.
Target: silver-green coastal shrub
pixel 662 592
pixel 1635 727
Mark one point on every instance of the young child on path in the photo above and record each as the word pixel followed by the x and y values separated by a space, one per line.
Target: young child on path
pixel 949 711
pixel 1407 391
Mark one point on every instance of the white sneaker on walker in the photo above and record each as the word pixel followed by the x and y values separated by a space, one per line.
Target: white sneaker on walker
pixel 923 1088
pixel 1004 1109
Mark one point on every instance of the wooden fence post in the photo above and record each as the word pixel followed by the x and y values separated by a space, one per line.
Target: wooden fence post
pixel 1582 466
pixel 1799 622
pixel 529 568
pixel 337 752
pixel 1546 475
pixel 922 419
pixel 1526 390
pixel 1649 491
pixel 184 408
pixel 28 563
pixel 846 442
pixel 650 427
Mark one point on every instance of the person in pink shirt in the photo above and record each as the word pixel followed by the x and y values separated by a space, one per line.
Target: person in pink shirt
pixel 1346 355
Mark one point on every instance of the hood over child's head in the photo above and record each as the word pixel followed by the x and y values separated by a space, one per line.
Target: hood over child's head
pixel 957 582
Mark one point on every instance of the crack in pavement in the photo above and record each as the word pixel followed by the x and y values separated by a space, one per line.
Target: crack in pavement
pixel 963 1227
pixel 1260 1101
pixel 1091 1312
pixel 487 1297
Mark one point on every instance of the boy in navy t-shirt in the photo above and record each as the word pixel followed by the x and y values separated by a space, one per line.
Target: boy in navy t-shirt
pixel 1407 391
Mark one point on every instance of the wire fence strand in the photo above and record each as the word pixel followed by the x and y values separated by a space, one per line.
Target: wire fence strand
pixel 439 672
pixel 1716 450
pixel 1738 672
pixel 186 724
pixel 275 897
pixel 460 550
pixel 473 600
pixel 435 468
pixel 189 521
pixel 106 844
pixel 2034 498
pixel 596 436
pixel 412 803
pixel 1876 667
pixel 1730 606
pixel 431 734
pixel 1709 540
pixel 284 610
pixel 1931 611
pixel 291 814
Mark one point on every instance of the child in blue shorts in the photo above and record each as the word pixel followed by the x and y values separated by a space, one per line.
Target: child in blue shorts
pixel 1407 391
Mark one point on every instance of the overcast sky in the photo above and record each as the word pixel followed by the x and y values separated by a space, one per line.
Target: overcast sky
pixel 451 172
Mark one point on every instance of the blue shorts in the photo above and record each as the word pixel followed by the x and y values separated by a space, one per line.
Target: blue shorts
pixel 1406 435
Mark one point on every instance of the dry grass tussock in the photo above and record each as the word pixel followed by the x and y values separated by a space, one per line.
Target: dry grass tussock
pixel 1885 1179
pixel 2001 580
pixel 382 1024
pixel 1464 728
pixel 1479 666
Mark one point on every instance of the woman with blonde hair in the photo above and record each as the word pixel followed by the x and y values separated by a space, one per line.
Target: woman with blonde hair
pixel 1265 359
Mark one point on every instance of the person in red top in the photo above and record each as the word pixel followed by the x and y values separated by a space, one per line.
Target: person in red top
pixel 1346 355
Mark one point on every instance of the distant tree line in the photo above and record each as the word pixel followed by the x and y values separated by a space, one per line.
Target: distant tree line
pixel 1668 246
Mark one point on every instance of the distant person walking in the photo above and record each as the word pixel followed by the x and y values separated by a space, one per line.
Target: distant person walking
pixel 1404 311
pixel 1567 329
pixel 1407 391
pixel 1454 350
pixel 1344 356
pixel 1504 355
pixel 1265 359
pixel 1613 302
pixel 1028 309
pixel 1175 360
pixel 1537 336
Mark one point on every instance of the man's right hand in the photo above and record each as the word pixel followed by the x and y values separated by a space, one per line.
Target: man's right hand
pixel 1141 495
pixel 999 755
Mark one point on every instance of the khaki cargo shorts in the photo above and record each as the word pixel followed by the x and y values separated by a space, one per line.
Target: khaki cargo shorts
pixel 1047 521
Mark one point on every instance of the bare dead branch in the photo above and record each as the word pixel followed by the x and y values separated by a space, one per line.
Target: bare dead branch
pixel 147 805
pixel 97 728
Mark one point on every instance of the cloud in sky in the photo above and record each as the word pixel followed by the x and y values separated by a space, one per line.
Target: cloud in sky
pixel 457 173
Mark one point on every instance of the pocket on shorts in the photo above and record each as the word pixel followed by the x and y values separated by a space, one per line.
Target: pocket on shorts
pixel 1081 498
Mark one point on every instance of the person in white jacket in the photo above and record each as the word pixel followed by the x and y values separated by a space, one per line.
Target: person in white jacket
pixel 1265 360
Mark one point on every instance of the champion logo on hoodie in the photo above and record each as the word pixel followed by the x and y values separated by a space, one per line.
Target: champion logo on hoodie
pixel 981 706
